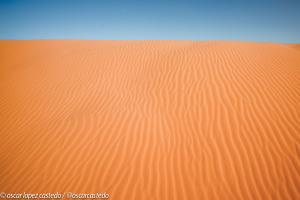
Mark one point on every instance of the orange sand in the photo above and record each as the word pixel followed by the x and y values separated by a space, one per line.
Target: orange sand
pixel 296 46
pixel 151 119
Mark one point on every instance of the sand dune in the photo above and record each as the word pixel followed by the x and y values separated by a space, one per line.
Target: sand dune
pixel 296 46
pixel 151 119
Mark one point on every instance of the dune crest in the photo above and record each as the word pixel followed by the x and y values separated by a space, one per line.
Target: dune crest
pixel 151 119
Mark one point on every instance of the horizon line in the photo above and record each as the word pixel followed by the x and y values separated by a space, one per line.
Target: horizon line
pixel 192 40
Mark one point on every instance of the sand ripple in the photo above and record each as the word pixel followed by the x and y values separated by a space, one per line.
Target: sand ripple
pixel 151 119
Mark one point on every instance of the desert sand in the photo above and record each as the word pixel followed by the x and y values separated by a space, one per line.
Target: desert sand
pixel 151 119
pixel 296 46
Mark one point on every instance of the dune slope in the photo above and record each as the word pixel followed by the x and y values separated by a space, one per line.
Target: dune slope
pixel 296 46
pixel 150 119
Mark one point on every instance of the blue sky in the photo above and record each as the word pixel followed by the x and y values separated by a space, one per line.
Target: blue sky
pixel 256 20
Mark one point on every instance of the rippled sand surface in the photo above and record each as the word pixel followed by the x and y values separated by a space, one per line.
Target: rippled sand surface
pixel 151 119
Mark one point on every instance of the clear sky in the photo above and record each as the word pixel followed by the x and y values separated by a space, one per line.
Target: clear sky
pixel 251 20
